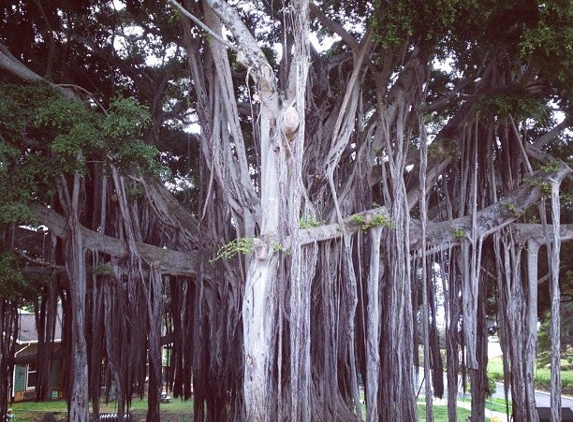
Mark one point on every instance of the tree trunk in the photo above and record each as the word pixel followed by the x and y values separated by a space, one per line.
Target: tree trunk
pixel 373 327
pixel 259 313
pixel 8 335
pixel 76 269
pixel 452 294
pixel 531 340
pixel 553 249
pixel 154 309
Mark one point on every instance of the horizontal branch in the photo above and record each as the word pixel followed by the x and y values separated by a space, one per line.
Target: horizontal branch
pixel 16 67
pixel 492 218
pixel 11 64
pixel 166 261
pixel 352 225
pixel 489 220
pixel 448 232
pixel 524 232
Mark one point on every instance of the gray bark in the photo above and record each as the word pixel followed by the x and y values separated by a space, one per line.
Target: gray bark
pixel 553 250
pixel 531 336
pixel 373 327
pixel 76 269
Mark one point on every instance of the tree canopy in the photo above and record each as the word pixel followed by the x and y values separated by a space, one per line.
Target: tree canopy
pixel 281 194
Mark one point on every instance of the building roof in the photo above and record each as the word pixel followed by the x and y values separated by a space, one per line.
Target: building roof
pixel 28 332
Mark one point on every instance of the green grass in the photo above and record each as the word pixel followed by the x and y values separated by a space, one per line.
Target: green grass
pixel 175 410
pixel 542 375
pixel 496 404
pixel 492 403
pixel 495 368
pixel 441 414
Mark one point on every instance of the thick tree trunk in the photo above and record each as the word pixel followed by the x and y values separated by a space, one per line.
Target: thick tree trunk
pixel 373 327
pixel 76 267
pixel 154 308
pixel 518 317
pixel 553 250
pixel 260 298
pixel 259 314
pixel 530 354
pixel 397 401
pixel 8 335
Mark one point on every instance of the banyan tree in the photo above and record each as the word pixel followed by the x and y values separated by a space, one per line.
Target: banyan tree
pixel 302 203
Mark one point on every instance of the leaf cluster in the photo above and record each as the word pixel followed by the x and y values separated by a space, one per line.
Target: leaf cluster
pixel 13 284
pixel 531 33
pixel 549 45
pixel 310 222
pixel 420 21
pixel 513 101
pixel 242 245
pixel 368 222
pixel 44 135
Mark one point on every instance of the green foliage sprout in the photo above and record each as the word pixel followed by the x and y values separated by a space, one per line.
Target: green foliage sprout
pixel 513 208
pixel 378 220
pixel 242 245
pixel 102 270
pixel 13 284
pixel 277 247
pixel 551 167
pixel 310 222
pixel 544 187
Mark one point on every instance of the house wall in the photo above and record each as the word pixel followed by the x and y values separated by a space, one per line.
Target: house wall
pixel 21 390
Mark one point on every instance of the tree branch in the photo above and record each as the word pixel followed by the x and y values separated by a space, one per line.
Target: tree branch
pixel 248 47
pixel 524 232
pixel 16 67
pixel 488 220
pixel 549 136
pixel 203 26
pixel 336 28
pixel 163 260
pixel 143 82
pixel 492 218
pixel 448 232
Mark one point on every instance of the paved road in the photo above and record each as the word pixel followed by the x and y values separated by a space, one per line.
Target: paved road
pixel 542 399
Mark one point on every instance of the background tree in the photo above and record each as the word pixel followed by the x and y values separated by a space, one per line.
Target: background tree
pixel 275 212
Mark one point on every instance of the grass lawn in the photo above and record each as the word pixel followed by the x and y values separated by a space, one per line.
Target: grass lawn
pixel 492 403
pixel 542 375
pixel 175 411
pixel 441 414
